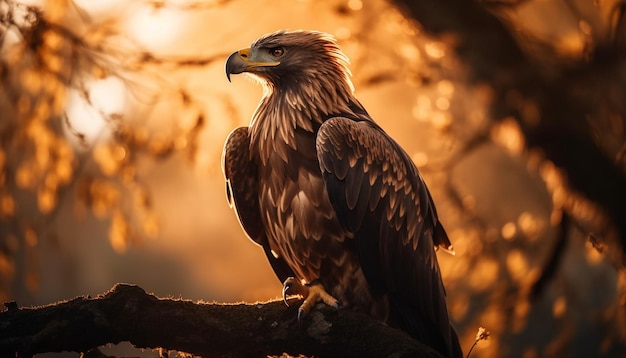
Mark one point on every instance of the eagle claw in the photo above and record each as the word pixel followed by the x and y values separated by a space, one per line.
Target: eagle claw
pixel 312 293
pixel 292 287
pixel 286 288
pixel 301 315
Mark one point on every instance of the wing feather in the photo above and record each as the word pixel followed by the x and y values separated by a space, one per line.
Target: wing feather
pixel 241 175
pixel 380 198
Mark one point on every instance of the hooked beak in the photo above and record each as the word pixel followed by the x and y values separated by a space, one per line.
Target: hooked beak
pixel 240 61
pixel 235 64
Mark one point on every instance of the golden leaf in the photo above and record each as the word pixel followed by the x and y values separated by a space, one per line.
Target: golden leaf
pixel 53 39
pixel 484 274
pixel 435 50
pixel 509 230
pixel 7 267
pixel 31 80
pixel 23 104
pixel 150 225
pixel 142 198
pixel 119 232
pixel 54 61
pixel 30 236
pixel 107 161
pixel 56 9
pixel 104 196
pixel 63 171
pixel 517 264
pixel 25 175
pixel 7 205
pixel 559 307
pixel 161 147
pixel 59 101
pixel 445 88
pixel 42 110
pixel 99 72
pixel 46 199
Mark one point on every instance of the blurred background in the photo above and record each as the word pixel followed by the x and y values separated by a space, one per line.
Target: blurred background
pixel 113 115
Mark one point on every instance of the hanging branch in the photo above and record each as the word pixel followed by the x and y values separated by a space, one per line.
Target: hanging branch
pixel 553 105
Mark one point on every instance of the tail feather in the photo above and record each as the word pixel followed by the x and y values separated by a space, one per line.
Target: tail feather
pixel 443 339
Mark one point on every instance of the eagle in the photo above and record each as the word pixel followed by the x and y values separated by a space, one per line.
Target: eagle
pixel 338 207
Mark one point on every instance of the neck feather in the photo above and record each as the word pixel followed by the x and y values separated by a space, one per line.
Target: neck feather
pixel 303 105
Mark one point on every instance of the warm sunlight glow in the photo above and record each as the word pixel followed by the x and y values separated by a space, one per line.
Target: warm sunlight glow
pixel 109 157
pixel 99 6
pixel 355 5
pixel 592 254
pixel 118 233
pixel 436 50
pixel 508 230
pixel 517 264
pixel 459 308
pixel 420 159
pixel 30 237
pixel 445 88
pixel 507 133
pixel 422 110
pixel 484 274
pixel 46 199
pixel 442 103
pixel 89 110
pixel 156 27
pixel 409 51
pixel 343 33
pixel 571 44
pixel 529 225
pixel 7 205
pixel 559 307
pixel 469 202
pixel 105 196
pixel 441 120
pixel 151 225
pixel 521 311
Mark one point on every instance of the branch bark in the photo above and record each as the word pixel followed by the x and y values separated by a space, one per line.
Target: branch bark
pixel 128 313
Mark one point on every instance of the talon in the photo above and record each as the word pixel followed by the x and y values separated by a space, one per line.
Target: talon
pixel 312 293
pixel 286 288
pixel 290 284
pixel 301 315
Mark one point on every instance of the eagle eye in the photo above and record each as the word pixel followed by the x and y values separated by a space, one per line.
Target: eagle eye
pixel 276 51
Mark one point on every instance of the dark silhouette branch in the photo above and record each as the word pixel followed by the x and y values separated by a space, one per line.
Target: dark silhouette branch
pixel 128 313
pixel 566 95
pixel 554 260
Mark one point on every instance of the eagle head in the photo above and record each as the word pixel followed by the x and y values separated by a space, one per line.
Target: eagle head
pixel 287 59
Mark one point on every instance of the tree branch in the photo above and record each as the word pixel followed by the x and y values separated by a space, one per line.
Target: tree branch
pixel 128 313
pixel 565 97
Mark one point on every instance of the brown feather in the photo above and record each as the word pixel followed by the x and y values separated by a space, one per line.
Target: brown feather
pixel 338 200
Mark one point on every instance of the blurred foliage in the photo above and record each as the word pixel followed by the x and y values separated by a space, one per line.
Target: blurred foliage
pixel 46 56
pixel 553 73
